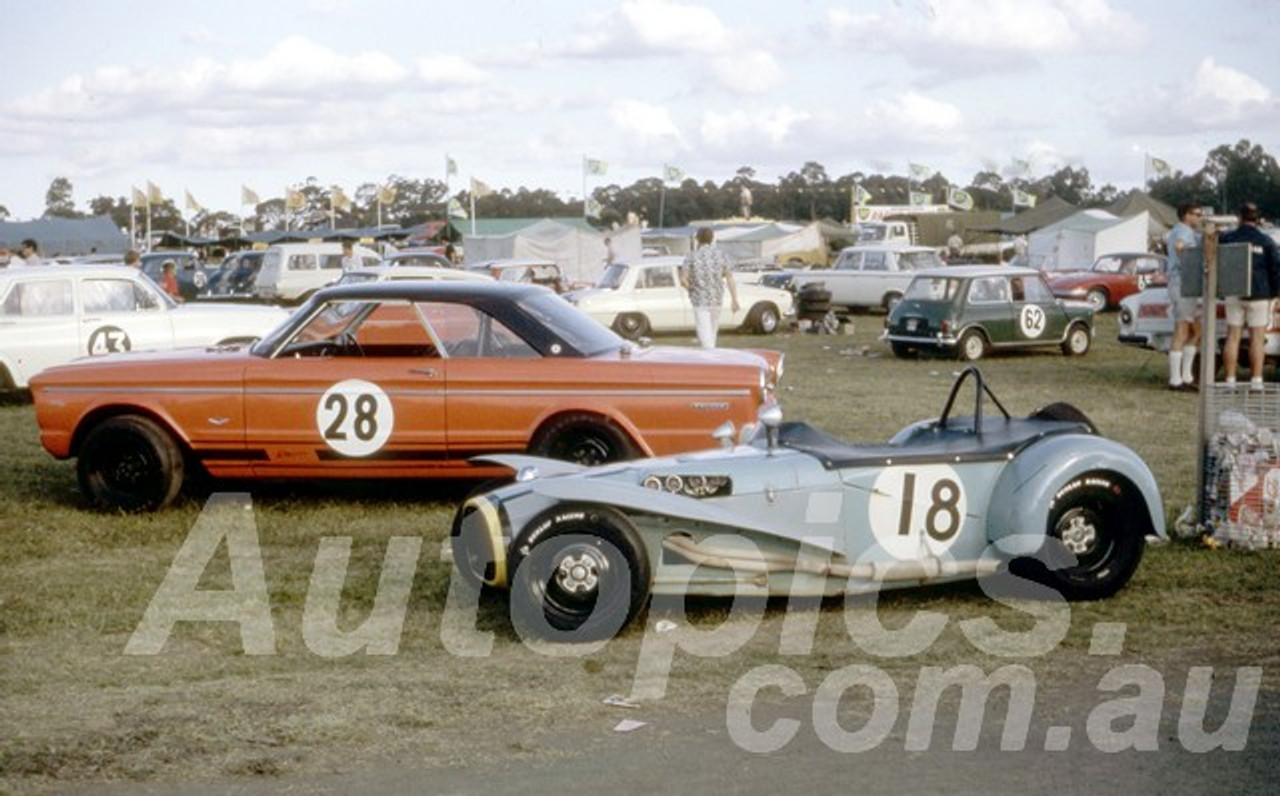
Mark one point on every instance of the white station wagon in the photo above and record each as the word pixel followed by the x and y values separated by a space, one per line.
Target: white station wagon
pixel 56 313
pixel 635 299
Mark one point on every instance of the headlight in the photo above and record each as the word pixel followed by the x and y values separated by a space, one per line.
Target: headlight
pixel 695 485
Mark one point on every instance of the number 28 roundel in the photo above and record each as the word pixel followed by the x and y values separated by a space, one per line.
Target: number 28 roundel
pixel 355 417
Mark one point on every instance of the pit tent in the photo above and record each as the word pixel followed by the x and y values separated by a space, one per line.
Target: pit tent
pixel 579 250
pixel 66 237
pixel 1076 241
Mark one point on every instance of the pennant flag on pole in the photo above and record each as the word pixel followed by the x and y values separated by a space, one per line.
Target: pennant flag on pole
pixel 861 196
pixel 248 197
pixel 593 207
pixel 139 198
pixel 960 200
pixel 672 173
pixel 1021 168
pixel 456 210
pixel 153 193
pixel 479 189
pixel 1159 167
pixel 1023 199
pixel 919 172
pixel 450 166
pixel 387 194
pixel 920 199
pixel 598 167
pixel 294 200
pixel 192 204
pixel 338 199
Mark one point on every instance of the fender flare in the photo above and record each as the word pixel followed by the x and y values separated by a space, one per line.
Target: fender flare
pixel 1024 494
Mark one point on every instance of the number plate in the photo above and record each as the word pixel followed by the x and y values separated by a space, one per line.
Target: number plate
pixel 912 324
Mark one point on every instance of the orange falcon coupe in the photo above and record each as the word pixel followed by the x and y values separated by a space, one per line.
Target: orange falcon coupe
pixel 390 380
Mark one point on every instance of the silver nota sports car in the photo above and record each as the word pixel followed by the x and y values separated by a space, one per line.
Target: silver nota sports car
pixel 790 510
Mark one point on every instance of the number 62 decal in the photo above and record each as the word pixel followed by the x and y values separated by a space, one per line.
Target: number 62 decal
pixel 355 417
pixel 911 506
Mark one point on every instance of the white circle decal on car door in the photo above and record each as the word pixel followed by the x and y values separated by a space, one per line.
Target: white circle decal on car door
pixel 355 417
pixel 1031 320
pixel 917 509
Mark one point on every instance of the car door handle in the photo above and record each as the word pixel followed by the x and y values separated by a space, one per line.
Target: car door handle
pixel 428 372
pixel 90 320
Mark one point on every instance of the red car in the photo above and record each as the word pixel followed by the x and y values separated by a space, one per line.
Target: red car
pixel 1112 277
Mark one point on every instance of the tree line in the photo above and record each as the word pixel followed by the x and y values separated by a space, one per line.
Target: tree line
pixel 1229 176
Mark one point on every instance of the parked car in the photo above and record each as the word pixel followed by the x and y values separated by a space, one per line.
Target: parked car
pixel 1146 321
pixel 432 256
pixel 291 272
pixel 529 271
pixel 1112 277
pixel 49 316
pixel 190 271
pixel 385 272
pixel 969 310
pixel 396 379
pixel 865 276
pixel 635 299
pixel 236 276
pixel 798 512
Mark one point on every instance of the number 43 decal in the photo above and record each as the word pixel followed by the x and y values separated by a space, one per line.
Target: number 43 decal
pixel 355 417
pixel 919 506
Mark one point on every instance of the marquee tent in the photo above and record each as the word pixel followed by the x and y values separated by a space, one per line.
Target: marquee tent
pixel 66 237
pixel 579 252
pixel 1076 241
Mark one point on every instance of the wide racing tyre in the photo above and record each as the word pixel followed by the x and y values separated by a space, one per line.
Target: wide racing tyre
pixel 585 577
pixel 582 439
pixel 1095 539
pixel 129 462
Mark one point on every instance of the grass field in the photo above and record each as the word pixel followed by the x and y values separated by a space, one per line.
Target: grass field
pixel 75 583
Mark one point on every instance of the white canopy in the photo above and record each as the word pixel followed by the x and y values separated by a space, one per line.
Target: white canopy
pixel 1077 240
pixel 580 254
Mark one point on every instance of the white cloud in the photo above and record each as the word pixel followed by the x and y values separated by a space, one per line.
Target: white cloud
pixel 1213 97
pixel 741 128
pixel 960 36
pixel 650 26
pixel 915 117
pixel 644 126
pixel 443 70
pixel 297 65
pixel 751 73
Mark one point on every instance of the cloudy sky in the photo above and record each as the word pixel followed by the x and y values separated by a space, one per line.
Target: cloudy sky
pixel 209 96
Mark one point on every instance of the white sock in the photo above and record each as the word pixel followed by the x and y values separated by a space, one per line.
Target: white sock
pixel 1175 368
pixel 1188 363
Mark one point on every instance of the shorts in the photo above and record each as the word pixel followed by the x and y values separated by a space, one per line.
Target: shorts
pixel 1253 313
pixel 1186 309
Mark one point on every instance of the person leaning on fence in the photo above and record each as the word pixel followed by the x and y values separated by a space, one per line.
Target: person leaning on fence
pixel 1253 310
pixel 1186 311
pixel 705 273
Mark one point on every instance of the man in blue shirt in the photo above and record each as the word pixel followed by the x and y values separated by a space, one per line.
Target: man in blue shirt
pixel 1253 310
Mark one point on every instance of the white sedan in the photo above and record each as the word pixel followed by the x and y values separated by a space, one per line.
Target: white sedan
pixel 635 299
pixel 54 314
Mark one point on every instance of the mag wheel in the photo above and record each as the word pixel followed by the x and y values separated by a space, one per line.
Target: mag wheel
pixel 1096 541
pixel 585 577
pixel 130 463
